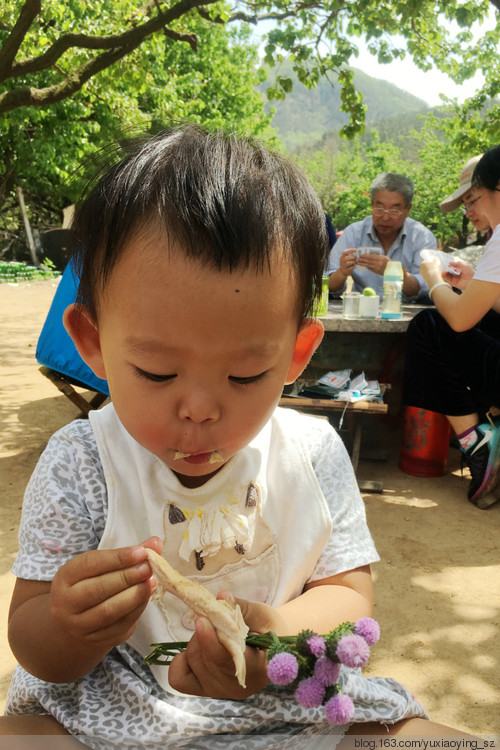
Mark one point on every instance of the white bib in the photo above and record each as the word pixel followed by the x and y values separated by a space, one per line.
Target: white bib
pixel 256 528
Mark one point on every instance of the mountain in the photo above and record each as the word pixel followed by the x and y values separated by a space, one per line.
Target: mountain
pixel 310 113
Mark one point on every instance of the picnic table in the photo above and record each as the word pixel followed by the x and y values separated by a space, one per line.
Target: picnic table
pixel 334 321
pixel 373 346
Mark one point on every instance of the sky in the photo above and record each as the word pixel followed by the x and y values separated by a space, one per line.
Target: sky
pixel 426 85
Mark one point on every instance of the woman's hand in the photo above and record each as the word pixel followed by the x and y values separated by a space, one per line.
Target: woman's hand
pixel 462 280
pixel 431 270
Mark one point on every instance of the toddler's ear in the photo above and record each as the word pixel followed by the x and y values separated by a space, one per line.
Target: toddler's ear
pixel 83 330
pixel 308 339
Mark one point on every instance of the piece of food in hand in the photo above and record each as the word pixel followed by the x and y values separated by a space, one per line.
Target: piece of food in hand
pixel 369 292
pixel 225 617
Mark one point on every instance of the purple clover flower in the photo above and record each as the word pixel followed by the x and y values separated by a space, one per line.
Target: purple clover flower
pixel 317 645
pixel 353 650
pixel 310 692
pixel 326 671
pixel 369 629
pixel 283 668
pixel 339 709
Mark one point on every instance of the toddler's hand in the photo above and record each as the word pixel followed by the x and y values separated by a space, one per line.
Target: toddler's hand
pixel 207 668
pixel 98 596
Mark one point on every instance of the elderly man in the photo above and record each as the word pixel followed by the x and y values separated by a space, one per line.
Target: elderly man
pixel 394 235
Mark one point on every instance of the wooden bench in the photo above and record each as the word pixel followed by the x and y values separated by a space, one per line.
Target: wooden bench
pixel 354 409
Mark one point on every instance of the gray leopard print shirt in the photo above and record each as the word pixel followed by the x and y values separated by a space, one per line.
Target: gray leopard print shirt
pixel 120 704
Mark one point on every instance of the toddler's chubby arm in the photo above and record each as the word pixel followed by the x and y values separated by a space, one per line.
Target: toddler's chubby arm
pixel 206 668
pixel 60 630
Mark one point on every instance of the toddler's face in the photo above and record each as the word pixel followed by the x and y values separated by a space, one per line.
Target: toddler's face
pixel 195 359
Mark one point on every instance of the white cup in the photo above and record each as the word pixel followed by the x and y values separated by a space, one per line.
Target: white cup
pixel 368 306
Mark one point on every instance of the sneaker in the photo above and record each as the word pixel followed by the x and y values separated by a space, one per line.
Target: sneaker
pixel 483 460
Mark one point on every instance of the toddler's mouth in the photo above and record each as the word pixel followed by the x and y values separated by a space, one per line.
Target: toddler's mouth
pixel 214 457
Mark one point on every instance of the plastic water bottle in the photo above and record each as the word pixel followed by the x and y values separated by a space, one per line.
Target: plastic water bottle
pixel 392 302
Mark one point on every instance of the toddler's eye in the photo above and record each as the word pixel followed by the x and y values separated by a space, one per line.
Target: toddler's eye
pixel 249 380
pixel 152 376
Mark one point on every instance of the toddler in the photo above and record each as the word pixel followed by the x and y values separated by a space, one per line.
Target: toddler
pixel 199 256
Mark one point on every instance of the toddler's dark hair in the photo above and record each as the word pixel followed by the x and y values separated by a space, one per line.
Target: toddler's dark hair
pixel 487 171
pixel 227 201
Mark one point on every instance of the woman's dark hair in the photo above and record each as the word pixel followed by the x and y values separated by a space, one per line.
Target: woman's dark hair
pixel 227 201
pixel 487 171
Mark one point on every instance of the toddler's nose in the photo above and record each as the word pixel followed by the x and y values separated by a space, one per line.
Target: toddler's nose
pixel 199 406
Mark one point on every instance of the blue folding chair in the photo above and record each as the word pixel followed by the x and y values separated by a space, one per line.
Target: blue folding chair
pixel 58 356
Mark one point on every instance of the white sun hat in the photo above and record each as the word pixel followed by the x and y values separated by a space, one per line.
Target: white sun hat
pixel 454 200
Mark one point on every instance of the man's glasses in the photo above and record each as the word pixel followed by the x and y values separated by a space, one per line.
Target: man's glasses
pixel 394 213
pixel 468 206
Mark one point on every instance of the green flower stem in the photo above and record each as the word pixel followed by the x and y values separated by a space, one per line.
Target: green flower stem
pixel 163 653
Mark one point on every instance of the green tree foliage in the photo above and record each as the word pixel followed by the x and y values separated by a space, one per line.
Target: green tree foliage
pixel 74 73
pixel 435 175
pixel 342 172
pixel 50 50
pixel 163 80
pixel 472 127
pixel 392 30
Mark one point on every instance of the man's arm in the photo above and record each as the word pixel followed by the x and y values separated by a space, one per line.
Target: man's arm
pixel 338 278
pixel 411 283
pixel 338 269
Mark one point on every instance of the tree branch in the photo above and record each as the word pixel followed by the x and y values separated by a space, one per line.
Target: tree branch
pixel 129 39
pixel 27 95
pixel 189 37
pixel 255 18
pixel 12 44
pixel 328 20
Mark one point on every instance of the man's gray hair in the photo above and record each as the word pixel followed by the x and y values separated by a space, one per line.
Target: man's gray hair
pixel 395 183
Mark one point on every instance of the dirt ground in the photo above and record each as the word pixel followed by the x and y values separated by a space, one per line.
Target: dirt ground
pixel 437 586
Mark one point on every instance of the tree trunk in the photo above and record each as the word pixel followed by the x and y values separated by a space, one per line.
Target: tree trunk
pixel 29 235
